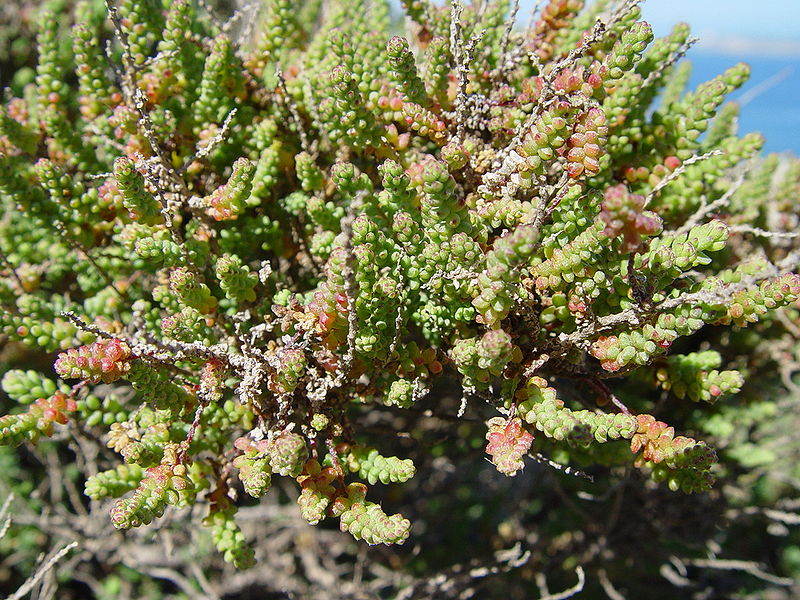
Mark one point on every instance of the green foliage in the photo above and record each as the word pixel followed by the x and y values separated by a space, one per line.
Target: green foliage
pixel 248 254
pixel 373 467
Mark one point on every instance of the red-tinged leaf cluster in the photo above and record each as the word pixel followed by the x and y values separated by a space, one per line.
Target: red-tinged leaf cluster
pixel 603 349
pixel 104 361
pixel 586 144
pixel 657 443
pixel 54 410
pixel 624 215
pixel 508 443
pixel 555 15
pixel 330 310
pixel 748 306
pixel 316 490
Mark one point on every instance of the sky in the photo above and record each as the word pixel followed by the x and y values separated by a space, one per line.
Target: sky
pixel 768 21
pixel 765 27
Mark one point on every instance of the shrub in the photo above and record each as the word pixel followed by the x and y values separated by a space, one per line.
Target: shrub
pixel 240 253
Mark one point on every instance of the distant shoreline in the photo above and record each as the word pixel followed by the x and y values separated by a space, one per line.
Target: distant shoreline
pixel 746 46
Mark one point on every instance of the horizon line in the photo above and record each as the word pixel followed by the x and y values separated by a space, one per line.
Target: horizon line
pixel 738 45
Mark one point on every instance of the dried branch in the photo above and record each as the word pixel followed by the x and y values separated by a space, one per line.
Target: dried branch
pixel 4 517
pixel 351 288
pixel 462 56
pixel 291 105
pixel 678 172
pixel 673 58
pixel 84 326
pixel 608 587
pixel 746 566
pixel 706 209
pixel 213 143
pixel 569 593
pixel 763 232
pixel 135 97
pixel 45 568
pixel 504 41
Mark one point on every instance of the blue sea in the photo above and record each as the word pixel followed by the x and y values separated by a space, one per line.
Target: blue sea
pixel 775 112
